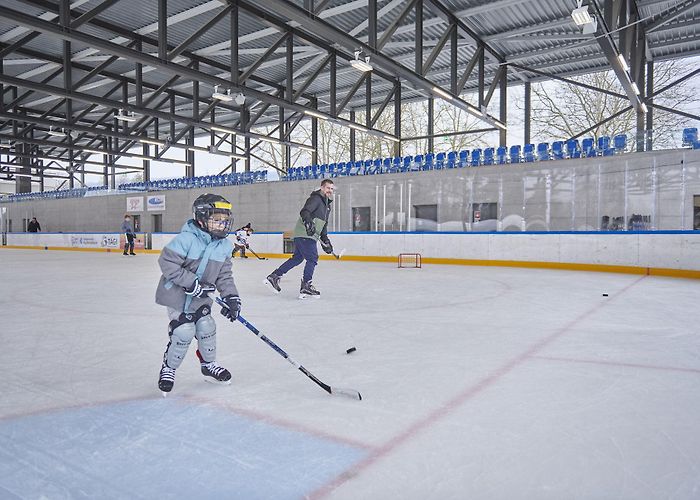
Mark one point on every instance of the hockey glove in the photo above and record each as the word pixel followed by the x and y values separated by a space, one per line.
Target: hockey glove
pixel 200 289
pixel 327 247
pixel 233 307
pixel 310 228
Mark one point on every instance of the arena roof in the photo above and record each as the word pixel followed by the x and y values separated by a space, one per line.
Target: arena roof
pixel 121 55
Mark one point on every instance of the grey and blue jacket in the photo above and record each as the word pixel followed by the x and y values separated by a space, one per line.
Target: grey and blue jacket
pixel 180 260
pixel 127 227
pixel 315 210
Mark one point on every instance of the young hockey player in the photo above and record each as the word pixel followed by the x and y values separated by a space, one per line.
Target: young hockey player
pixel 311 227
pixel 241 242
pixel 195 263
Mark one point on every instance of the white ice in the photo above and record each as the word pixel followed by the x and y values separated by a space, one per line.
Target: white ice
pixel 477 383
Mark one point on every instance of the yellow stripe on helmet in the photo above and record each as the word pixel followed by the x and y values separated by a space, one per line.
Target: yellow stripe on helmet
pixel 222 204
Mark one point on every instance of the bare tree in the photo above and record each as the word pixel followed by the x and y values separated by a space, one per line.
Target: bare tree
pixel 563 110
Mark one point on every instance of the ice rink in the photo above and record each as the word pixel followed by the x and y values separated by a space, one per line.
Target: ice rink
pixel 478 383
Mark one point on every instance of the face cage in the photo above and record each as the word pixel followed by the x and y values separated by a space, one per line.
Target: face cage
pixel 217 228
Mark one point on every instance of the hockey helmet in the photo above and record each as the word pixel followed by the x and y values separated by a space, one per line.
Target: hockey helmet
pixel 213 214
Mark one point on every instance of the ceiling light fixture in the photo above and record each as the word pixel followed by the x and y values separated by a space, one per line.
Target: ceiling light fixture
pixel 125 117
pixel 359 64
pixel 635 88
pixel 580 15
pixel 237 157
pixel 222 97
pixel 56 133
pixel 643 107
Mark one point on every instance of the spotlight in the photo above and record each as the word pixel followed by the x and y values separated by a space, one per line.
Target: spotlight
pixel 240 99
pixel 359 64
pixel 580 15
pixel 125 117
pixel 222 97
pixel 56 133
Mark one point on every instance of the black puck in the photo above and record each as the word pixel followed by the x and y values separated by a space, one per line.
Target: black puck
pixel 352 349
pixel 605 295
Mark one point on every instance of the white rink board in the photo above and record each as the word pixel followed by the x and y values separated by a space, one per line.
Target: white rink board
pixel 667 250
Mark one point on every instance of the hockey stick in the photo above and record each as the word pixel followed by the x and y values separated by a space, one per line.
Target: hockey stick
pixel 338 255
pixel 253 252
pixel 330 390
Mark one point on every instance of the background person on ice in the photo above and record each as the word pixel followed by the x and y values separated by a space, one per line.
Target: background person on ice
pixel 196 262
pixel 128 230
pixel 241 242
pixel 33 226
pixel 311 227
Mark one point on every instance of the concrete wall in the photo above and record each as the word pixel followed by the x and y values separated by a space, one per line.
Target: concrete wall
pixel 568 195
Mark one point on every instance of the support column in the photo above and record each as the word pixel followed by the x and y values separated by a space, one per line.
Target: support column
pixel 352 138
pixel 504 107
pixel 431 124
pixel 314 136
pixel 397 118
pixel 650 114
pixel 528 112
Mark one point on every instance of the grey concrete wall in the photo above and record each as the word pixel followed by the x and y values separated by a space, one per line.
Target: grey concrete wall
pixel 556 195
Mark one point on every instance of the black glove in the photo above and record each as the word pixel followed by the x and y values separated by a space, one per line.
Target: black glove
pixel 200 289
pixel 233 307
pixel 326 245
pixel 310 228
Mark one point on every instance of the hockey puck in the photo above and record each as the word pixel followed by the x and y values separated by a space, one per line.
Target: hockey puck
pixel 352 349
pixel 605 295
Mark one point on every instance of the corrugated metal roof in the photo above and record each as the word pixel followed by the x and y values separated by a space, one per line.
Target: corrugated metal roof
pixel 533 33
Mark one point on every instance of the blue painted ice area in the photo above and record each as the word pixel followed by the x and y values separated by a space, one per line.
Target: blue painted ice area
pixel 168 448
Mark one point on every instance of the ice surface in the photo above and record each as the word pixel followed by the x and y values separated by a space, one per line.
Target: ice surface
pixel 488 383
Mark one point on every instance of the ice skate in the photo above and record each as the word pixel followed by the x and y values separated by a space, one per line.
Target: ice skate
pixel 274 281
pixel 216 374
pixel 307 290
pixel 166 379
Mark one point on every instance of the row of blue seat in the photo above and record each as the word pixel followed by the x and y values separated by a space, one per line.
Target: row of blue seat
pixel 558 150
pixel 204 181
pixel 63 193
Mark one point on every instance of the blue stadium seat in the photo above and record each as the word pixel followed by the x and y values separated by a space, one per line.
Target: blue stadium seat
pixel 543 151
pixel 620 143
pixel 407 163
pixel 572 149
pixel 429 163
pixel 515 153
pixel 488 156
pixel 529 153
pixel 418 162
pixel 558 150
pixel 690 136
pixel 476 158
pixel 604 146
pixel 502 155
pixel 463 158
pixel 386 165
pixel 451 159
pixel 440 161
pixel 588 148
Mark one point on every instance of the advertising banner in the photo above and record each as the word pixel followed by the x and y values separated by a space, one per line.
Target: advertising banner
pixel 156 202
pixel 94 240
pixel 134 204
pixel 139 241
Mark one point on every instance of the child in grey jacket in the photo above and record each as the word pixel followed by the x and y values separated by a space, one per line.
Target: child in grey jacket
pixel 195 263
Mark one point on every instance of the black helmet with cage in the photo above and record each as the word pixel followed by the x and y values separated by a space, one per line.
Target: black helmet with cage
pixel 213 214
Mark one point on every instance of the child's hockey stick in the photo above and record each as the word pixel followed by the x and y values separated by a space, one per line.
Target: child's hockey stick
pixel 330 390
pixel 253 252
